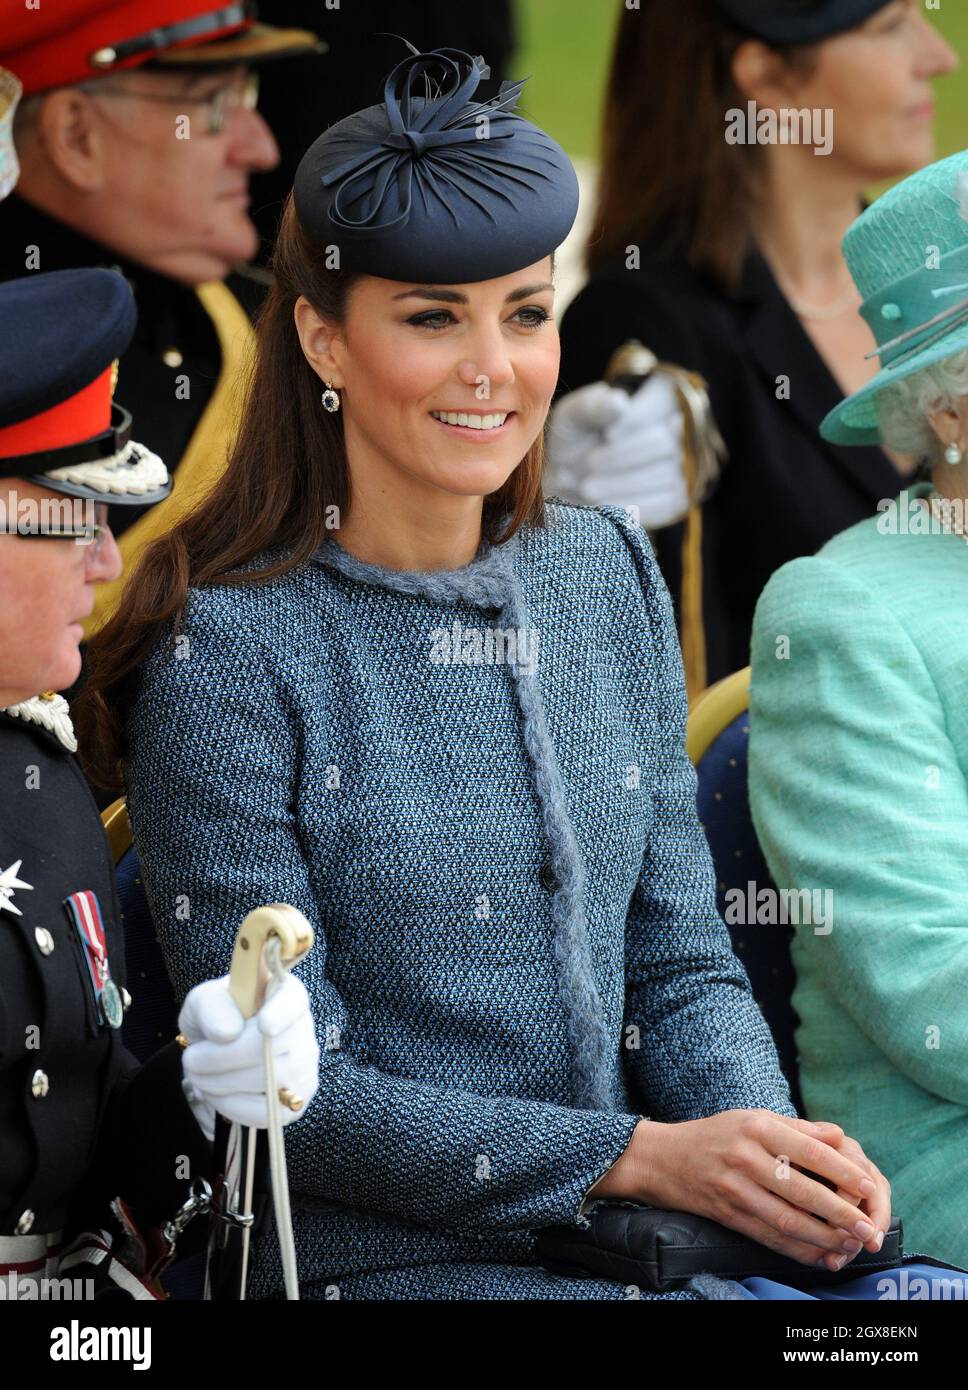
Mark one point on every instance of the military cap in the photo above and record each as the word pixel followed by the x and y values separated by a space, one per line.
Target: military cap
pixel 60 427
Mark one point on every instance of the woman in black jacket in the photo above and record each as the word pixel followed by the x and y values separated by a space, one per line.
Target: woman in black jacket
pixel 724 258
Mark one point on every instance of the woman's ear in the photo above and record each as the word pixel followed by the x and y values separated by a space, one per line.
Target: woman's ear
pixel 950 424
pixel 318 339
pixel 761 75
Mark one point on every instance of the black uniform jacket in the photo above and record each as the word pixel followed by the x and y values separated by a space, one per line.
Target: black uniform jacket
pixel 784 491
pixel 174 335
pixel 80 1120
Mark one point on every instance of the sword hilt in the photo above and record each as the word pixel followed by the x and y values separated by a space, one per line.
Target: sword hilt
pixel 248 975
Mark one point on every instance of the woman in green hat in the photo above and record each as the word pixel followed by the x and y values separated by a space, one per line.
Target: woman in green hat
pixel 859 732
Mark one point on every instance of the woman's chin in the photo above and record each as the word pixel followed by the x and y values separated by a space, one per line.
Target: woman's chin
pixel 474 480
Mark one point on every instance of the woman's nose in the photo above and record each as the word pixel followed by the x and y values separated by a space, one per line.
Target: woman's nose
pixel 487 366
pixel 937 55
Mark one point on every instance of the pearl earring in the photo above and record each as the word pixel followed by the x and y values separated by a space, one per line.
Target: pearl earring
pixel 330 399
pixel 953 454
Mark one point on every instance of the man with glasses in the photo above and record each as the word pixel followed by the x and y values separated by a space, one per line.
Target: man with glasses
pixel 81 1123
pixel 136 136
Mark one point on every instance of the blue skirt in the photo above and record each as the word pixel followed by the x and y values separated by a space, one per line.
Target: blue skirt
pixel 913 1280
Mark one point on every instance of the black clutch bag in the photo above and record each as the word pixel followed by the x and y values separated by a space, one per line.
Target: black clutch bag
pixel 662 1250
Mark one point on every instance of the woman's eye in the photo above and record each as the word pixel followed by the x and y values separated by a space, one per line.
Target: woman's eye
pixel 435 319
pixel 432 319
pixel 535 316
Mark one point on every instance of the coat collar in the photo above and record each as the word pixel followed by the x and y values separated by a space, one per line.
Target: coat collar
pixel 779 344
pixel 487 582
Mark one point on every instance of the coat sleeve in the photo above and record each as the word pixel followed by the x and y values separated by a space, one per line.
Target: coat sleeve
pixel 212 767
pixel 699 1043
pixel 856 787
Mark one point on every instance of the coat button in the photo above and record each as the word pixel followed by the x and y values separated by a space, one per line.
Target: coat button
pixel 548 878
pixel 39 1084
pixel 45 942
pixel 24 1222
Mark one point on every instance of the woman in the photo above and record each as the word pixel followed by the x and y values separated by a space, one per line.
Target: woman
pixel 724 258
pixel 454 738
pixel 858 741
pixel 81 1123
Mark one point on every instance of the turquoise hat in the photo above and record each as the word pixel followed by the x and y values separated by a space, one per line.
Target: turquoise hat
pixel 908 254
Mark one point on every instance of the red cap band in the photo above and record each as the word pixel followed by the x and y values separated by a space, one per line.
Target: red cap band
pixel 80 417
pixel 53 44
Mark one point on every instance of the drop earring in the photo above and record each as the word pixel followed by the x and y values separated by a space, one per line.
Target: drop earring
pixel 330 399
pixel 953 454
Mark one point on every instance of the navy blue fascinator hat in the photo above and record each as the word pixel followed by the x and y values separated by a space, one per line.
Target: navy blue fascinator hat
pixel 434 187
pixel 798 21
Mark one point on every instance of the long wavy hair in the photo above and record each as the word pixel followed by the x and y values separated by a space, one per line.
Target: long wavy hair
pixel 285 473
pixel 668 178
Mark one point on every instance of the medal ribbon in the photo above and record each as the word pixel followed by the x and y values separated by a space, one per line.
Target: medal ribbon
pixel 86 912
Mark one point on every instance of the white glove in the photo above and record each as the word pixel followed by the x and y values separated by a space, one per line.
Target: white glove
pixel 605 446
pixel 223 1063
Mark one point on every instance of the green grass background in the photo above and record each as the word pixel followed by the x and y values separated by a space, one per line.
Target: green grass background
pixel 565 45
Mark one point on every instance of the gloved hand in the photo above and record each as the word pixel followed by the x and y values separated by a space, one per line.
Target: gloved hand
pixel 223 1063
pixel 605 446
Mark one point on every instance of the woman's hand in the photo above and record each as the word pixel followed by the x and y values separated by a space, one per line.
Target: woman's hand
pixel 756 1172
pixel 223 1064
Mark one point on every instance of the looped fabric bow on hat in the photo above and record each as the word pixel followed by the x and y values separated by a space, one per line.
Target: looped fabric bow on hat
pixel 434 185
pixel 424 142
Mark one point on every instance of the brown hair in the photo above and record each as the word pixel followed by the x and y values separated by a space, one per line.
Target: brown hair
pixel 287 468
pixel 668 178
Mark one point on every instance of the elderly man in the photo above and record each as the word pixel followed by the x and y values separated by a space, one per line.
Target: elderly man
pixel 136 137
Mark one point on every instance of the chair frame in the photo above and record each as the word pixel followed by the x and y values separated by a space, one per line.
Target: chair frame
pixel 714 710
pixel 118 829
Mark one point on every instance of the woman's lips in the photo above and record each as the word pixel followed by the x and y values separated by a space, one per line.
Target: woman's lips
pixel 469 432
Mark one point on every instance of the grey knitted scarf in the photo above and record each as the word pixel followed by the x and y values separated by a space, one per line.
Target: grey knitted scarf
pixel 489 582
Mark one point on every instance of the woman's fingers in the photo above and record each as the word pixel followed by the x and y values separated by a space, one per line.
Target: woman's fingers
pixel 877 1205
pixel 777 1225
pixel 816 1156
pixel 845 1221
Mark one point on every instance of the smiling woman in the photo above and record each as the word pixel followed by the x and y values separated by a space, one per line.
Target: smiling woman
pixel 498 903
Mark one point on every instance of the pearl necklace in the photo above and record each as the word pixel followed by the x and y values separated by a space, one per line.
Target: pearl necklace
pixel 935 501
pixel 821 313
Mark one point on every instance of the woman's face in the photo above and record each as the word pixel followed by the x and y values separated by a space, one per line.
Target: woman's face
pixel 876 79
pixel 447 387
pixel 46 590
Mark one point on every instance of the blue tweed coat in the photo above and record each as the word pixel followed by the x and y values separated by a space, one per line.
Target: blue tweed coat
pixel 474 784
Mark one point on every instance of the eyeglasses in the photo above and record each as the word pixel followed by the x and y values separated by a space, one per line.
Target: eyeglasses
pixel 221 103
pixel 94 535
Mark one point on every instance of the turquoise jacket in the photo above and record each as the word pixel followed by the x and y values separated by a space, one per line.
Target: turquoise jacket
pixel 859 786
pixel 474 784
